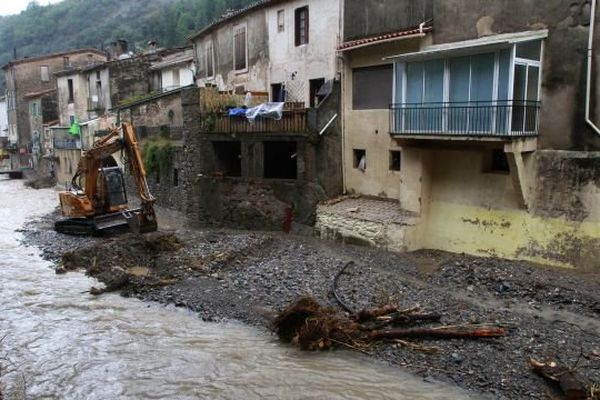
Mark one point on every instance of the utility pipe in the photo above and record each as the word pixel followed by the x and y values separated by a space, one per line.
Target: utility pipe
pixel 588 93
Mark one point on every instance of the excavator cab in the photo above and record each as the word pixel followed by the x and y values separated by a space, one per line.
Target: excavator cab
pixel 97 202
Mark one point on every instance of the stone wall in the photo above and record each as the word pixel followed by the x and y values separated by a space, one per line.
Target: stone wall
pixel 370 18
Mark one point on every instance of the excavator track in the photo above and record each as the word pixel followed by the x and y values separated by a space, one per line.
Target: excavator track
pixel 94 226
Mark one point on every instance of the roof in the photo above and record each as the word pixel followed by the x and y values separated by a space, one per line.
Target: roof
pixel 233 15
pixel 491 42
pixel 52 55
pixel 35 95
pixel 174 59
pixel 388 37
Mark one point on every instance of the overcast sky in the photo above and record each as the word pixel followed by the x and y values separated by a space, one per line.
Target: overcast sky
pixel 8 7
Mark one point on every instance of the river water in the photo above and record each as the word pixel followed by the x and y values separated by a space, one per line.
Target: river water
pixel 65 344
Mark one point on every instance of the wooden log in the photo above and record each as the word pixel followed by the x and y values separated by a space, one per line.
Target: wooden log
pixel 442 332
pixel 573 385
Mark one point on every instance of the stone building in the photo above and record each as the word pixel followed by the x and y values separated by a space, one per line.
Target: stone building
pixel 34 75
pixel 467 120
pixel 174 71
pixel 268 172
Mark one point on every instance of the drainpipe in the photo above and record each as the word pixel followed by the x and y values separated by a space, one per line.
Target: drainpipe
pixel 588 93
pixel 342 67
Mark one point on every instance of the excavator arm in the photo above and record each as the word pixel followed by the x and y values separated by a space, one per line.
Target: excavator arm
pixel 97 200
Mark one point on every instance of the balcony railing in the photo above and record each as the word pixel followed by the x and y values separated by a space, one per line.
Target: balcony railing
pixel 67 144
pixel 482 119
pixel 294 120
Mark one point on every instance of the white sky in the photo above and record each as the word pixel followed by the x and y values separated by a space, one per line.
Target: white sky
pixel 8 7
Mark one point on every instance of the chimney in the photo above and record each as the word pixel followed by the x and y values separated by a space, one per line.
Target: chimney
pixel 121 47
pixel 14 53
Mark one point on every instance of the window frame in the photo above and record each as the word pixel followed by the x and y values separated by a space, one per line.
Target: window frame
pixel 208 45
pixel 400 70
pixel 47 69
pixel 280 21
pixel 236 28
pixel 298 12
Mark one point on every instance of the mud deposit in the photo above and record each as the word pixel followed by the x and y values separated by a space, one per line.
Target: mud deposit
pixel 249 276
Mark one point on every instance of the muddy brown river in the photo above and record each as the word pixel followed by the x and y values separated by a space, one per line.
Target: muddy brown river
pixel 61 343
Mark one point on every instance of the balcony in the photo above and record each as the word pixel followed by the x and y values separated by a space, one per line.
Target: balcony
pixel 294 120
pixel 67 144
pixel 215 105
pixel 497 119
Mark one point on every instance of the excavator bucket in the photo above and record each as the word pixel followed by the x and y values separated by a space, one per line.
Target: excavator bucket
pixel 142 223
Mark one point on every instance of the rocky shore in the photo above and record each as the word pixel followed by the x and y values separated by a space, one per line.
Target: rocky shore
pixel 249 276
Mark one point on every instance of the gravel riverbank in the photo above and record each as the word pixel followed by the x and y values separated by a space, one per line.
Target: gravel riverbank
pixel 249 276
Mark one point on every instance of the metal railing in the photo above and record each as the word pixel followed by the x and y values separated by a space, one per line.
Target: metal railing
pixel 485 119
pixel 67 144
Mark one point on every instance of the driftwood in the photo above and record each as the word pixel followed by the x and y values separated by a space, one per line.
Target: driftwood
pixel 573 385
pixel 310 326
pixel 441 332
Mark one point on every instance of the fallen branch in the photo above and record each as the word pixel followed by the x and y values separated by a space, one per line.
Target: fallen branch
pixel 442 332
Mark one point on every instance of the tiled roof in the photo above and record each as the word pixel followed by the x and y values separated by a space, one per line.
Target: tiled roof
pixel 384 38
pixel 229 16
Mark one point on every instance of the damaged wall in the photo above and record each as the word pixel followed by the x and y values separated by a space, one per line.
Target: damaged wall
pixel 562 229
pixel 253 193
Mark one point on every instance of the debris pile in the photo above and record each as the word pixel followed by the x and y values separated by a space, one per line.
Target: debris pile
pixel 310 326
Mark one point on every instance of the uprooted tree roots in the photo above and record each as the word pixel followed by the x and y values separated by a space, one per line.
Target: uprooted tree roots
pixel 311 326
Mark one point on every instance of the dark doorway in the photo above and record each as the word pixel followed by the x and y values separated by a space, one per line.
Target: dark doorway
pixel 277 93
pixel 315 85
pixel 281 160
pixel 228 156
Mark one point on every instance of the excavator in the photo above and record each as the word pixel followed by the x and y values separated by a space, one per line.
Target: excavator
pixel 96 203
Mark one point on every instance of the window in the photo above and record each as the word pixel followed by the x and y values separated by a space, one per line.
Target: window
pixel 33 110
pixel 277 92
pixel 240 53
pixel 360 159
pixel 395 160
pixel 488 93
pixel 210 60
pixel 372 87
pixel 280 20
pixel 70 87
pixel 301 26
pixel 495 161
pixel 280 160
pixel 45 73
pixel 175 177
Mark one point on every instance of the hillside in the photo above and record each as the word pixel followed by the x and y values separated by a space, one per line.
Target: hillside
pixel 93 23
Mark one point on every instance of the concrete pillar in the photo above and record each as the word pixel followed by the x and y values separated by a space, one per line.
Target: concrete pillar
pixel 415 179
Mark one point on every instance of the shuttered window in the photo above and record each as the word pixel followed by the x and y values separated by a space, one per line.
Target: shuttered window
pixel 301 27
pixel 210 66
pixel 239 48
